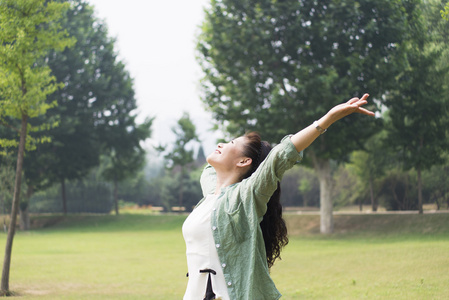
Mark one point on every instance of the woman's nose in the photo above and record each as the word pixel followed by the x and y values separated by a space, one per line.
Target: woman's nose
pixel 220 145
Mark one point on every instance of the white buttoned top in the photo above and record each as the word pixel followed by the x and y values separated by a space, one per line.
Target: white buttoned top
pixel 201 251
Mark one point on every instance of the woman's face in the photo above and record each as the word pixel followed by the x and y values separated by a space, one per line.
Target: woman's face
pixel 227 155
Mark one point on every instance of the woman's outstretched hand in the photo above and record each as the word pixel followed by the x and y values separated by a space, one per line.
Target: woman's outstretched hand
pixel 305 137
pixel 352 106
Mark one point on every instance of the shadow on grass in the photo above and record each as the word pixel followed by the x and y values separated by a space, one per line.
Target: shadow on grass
pixel 106 223
pixel 372 226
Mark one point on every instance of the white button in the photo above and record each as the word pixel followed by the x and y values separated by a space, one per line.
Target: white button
pixel 229 283
pixel 214 208
pixel 214 228
pixel 223 265
pixel 217 245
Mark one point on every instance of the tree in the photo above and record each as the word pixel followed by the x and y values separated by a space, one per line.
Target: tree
pixel 276 66
pixel 96 106
pixel 419 107
pixel 370 164
pixel 437 183
pixel 122 137
pixel 346 189
pixel 7 173
pixel 28 30
pixel 445 12
pixel 300 186
pixel 398 190
pixel 180 157
pixel 309 188
pixel 125 154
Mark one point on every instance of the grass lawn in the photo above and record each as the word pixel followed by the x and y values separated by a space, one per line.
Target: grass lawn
pixel 134 256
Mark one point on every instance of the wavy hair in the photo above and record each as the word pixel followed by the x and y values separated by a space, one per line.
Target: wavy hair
pixel 273 226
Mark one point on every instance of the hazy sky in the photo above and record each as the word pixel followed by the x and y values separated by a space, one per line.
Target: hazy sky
pixel 156 41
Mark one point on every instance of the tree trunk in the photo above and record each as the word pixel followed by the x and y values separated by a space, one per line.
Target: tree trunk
pixel 322 167
pixel 421 142
pixel 420 191
pixel 181 194
pixel 446 189
pixel 116 197
pixel 64 197
pixel 24 218
pixel 305 201
pixel 5 228
pixel 14 208
pixel 371 191
pixel 181 189
pixel 24 211
pixel 437 202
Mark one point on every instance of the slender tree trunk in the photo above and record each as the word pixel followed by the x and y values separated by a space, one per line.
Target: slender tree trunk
pixel 5 228
pixel 305 201
pixel 14 209
pixel 406 199
pixel 420 191
pixel 24 218
pixel 24 211
pixel 438 196
pixel 421 145
pixel 393 192
pixel 322 167
pixel 445 198
pixel 181 189
pixel 181 194
pixel 64 197
pixel 116 197
pixel 371 192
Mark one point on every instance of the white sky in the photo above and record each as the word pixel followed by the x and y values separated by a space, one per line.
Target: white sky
pixel 156 41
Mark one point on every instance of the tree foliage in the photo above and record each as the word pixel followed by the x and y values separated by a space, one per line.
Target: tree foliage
pixel 276 66
pixel 97 109
pixel 445 12
pixel 180 157
pixel 7 172
pixel 419 106
pixel 28 30
pixel 368 166
pixel 181 154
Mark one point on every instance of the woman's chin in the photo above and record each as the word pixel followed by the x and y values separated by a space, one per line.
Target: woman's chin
pixel 212 159
pixel 209 158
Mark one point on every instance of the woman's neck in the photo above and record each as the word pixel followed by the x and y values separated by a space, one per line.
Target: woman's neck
pixel 226 179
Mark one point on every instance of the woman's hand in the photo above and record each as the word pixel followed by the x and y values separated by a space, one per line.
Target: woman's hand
pixel 305 137
pixel 345 109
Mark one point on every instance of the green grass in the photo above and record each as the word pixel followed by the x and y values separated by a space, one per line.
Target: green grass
pixel 135 256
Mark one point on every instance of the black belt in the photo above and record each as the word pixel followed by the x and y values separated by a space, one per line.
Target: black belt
pixel 209 292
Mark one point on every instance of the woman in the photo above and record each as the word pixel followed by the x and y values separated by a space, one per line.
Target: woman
pixel 236 231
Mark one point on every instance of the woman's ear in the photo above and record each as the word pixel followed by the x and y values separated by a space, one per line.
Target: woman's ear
pixel 244 161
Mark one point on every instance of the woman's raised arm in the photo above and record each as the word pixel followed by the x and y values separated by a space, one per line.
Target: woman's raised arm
pixel 305 137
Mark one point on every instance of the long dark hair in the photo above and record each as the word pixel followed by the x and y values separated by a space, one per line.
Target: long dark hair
pixel 273 226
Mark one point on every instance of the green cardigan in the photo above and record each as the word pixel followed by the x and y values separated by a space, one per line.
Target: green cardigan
pixel 235 224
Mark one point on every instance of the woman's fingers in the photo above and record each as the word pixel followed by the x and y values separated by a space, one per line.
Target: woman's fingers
pixel 365 111
pixel 355 99
pixel 364 101
pixel 365 96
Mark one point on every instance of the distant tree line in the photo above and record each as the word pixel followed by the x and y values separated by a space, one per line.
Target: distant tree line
pixel 169 179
